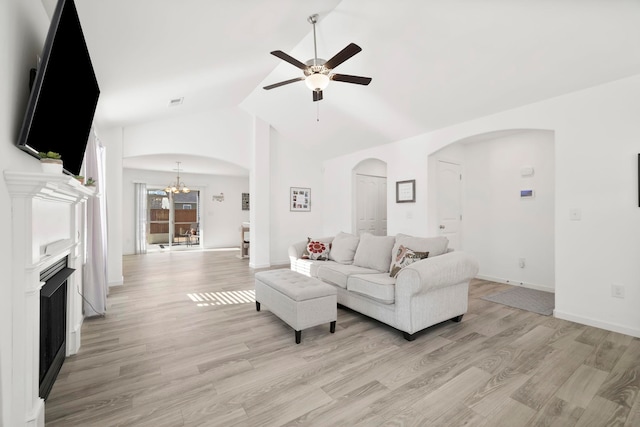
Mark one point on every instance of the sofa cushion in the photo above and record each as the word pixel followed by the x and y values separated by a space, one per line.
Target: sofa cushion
pixel 337 274
pixel 403 257
pixel 434 245
pixel 379 287
pixel 374 252
pixel 343 248
pixel 308 267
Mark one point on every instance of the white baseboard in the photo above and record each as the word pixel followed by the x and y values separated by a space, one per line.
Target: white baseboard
pixel 36 417
pixel 74 338
pixel 282 263
pixel 614 327
pixel 517 283
pixel 252 265
pixel 117 282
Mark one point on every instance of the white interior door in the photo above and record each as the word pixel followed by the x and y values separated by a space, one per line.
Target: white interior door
pixel 371 205
pixel 449 202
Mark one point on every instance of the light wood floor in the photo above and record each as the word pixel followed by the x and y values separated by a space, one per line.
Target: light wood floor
pixel 159 358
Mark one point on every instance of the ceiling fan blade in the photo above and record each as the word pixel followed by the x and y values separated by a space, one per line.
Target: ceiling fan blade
pixel 286 82
pixel 290 59
pixel 343 55
pixel 317 95
pixel 351 79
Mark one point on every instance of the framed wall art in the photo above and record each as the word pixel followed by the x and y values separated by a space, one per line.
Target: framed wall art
pixel 300 199
pixel 245 201
pixel 406 191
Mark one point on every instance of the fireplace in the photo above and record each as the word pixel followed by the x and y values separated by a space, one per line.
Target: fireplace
pixel 48 230
pixel 53 323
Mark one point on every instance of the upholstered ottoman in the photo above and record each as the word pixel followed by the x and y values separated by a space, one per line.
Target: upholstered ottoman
pixel 301 301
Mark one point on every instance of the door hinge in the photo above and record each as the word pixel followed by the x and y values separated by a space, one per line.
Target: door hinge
pixel 460 217
pixel 460 177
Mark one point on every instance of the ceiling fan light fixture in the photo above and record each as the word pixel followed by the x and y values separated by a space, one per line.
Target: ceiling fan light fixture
pixel 317 81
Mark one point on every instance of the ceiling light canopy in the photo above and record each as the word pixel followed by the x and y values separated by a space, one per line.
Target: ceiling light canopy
pixel 178 186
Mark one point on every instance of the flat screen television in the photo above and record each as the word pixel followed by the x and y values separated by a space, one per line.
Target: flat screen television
pixel 64 94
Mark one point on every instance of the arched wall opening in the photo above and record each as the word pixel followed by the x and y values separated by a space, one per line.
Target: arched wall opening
pixel 507 200
pixel 369 189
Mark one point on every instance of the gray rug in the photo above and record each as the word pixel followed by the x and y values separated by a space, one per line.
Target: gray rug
pixel 526 299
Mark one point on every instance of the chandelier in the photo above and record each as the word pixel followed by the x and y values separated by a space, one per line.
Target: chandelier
pixel 177 187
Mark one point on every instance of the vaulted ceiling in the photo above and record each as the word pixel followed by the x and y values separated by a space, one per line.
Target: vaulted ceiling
pixel 434 63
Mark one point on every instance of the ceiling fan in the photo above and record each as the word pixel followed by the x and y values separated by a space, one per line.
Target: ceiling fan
pixel 317 71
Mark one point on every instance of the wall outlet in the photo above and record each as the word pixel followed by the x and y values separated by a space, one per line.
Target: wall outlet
pixel 575 214
pixel 521 262
pixel 617 291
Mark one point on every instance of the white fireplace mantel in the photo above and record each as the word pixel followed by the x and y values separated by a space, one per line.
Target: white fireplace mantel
pixel 48 223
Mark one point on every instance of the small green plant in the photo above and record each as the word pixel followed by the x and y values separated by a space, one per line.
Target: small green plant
pixel 90 182
pixel 49 155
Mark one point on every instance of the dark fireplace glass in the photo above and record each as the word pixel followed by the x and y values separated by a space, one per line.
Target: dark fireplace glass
pixel 53 323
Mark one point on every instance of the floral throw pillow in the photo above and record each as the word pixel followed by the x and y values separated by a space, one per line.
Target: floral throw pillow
pixel 318 250
pixel 403 257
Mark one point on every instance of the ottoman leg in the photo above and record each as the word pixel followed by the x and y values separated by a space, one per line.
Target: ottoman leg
pixel 298 336
pixel 332 328
pixel 257 306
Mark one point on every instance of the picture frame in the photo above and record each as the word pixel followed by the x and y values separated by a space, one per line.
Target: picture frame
pixel 406 191
pixel 299 199
pixel 245 201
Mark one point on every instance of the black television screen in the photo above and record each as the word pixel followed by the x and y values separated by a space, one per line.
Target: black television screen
pixel 64 95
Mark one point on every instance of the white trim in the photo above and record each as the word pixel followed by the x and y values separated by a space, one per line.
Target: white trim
pixel 36 417
pixel 283 262
pixel 597 323
pixel 517 283
pixel 117 282
pixel 29 259
pixel 259 265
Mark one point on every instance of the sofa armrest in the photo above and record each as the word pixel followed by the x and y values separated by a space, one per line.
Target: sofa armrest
pixel 296 250
pixel 440 271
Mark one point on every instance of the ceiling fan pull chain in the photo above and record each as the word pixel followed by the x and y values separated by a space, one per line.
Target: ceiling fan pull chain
pixel 318 112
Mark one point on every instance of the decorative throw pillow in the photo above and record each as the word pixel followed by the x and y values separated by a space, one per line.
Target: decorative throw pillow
pixel 434 245
pixel 374 252
pixel 343 248
pixel 318 250
pixel 403 257
pixel 325 240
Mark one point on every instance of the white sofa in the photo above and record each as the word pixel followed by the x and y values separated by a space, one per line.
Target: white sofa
pixel 425 292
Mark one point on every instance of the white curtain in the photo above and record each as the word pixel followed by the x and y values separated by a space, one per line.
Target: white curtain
pixel 141 218
pixel 95 270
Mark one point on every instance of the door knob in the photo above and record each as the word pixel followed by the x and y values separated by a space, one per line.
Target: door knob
pixel 441 227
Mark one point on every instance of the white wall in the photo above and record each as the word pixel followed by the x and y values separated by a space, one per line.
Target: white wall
pixel 23 28
pixel 112 141
pixel 220 221
pixel 292 167
pixel 219 134
pixel 499 226
pixel 372 167
pixel 596 146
